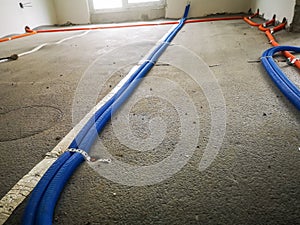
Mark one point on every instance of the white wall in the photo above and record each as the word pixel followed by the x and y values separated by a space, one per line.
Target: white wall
pixel 13 19
pixel 130 14
pixel 205 7
pixel 282 8
pixel 74 11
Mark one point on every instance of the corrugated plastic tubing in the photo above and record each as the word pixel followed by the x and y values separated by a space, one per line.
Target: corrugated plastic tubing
pixel 269 33
pixel 248 19
pixel 29 214
pixel 40 207
pixel 31 32
pixel 279 27
pixel 287 54
pixel 264 26
pixel 290 90
pixel 137 25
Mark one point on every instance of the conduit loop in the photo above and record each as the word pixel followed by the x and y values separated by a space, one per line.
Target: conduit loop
pixel 290 90
pixel 287 87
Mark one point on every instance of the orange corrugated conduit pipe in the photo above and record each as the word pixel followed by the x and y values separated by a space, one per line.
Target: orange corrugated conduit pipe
pixel 87 29
pixel 28 33
pixel 265 27
pixel 31 32
pixel 290 57
pixel 136 25
pixel 249 21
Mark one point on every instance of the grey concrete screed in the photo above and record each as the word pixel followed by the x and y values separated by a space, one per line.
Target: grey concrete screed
pixel 255 178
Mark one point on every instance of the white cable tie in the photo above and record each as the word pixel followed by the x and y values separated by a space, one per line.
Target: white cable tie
pixel 295 60
pixel 104 160
pixel 82 152
pixel 291 61
pixel 272 31
pixel 264 25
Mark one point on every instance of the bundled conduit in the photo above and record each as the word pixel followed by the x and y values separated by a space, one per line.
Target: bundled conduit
pixel 290 90
pixel 41 204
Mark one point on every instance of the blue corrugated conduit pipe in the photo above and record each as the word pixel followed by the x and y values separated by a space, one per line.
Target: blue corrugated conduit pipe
pixel 41 205
pixel 288 88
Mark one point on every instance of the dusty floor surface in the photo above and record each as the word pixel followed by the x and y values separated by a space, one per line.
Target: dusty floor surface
pixel 254 178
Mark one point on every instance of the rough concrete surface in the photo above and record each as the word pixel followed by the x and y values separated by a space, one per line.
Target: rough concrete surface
pixel 253 180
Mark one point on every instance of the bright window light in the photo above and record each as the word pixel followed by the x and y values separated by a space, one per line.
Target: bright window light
pixel 141 1
pixel 115 4
pixel 110 4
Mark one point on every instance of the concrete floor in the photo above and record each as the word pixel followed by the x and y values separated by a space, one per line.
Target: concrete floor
pixel 253 180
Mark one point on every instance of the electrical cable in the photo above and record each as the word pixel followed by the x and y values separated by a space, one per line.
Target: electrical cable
pixel 16 56
pixel 10 58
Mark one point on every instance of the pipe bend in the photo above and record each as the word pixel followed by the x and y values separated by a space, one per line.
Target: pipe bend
pixel 249 21
pixel 287 87
pixel 255 14
pixel 264 26
pixel 287 54
pixel 281 26
pixel 274 29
